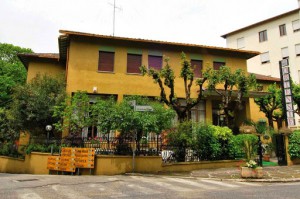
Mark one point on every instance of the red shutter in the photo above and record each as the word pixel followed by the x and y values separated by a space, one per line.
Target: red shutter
pixel 217 65
pixel 106 61
pixel 155 62
pixel 197 65
pixel 133 63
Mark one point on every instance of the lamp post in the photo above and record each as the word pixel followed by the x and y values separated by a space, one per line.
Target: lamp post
pixel 48 129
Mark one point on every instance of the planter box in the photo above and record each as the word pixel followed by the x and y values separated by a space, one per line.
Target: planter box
pixel 252 173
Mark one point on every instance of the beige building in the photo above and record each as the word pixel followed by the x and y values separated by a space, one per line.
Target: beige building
pixel 276 38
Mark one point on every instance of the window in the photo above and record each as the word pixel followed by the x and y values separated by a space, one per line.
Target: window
pixel 296 25
pixel 297 49
pixel 198 112
pixel 285 52
pixel 264 57
pixel 282 30
pixel 134 62
pixel 263 36
pixel 240 43
pixel 106 61
pixel 217 65
pixel 155 62
pixel 197 65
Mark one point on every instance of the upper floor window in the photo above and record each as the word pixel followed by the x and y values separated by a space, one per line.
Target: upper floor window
pixel 134 61
pixel 263 36
pixel 197 65
pixel 285 52
pixel 264 57
pixel 106 61
pixel 217 65
pixel 297 49
pixel 296 25
pixel 240 43
pixel 282 30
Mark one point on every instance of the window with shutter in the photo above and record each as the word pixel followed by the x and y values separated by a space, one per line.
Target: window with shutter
pixel 241 43
pixel 217 65
pixel 297 49
pixel 296 25
pixel 106 61
pixel 197 65
pixel 285 52
pixel 155 62
pixel 134 62
pixel 264 57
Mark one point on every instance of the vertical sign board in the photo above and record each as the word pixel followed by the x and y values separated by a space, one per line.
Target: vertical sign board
pixel 287 92
pixel 67 159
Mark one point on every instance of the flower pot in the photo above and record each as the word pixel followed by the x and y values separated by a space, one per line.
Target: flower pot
pixel 251 172
pixel 266 157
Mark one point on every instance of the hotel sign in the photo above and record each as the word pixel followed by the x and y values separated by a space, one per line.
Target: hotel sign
pixel 287 92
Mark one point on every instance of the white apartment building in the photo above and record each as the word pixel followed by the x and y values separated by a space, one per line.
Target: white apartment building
pixel 276 38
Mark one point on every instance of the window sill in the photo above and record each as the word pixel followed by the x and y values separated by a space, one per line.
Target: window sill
pixel 140 74
pixel 109 72
pixel 265 62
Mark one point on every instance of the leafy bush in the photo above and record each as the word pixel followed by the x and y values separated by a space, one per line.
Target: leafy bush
pixel 294 145
pixel 243 146
pixel 42 148
pixel 212 142
pixel 181 138
pixel 8 149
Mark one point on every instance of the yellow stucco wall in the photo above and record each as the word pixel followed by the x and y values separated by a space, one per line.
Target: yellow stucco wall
pixel 49 68
pixel 36 163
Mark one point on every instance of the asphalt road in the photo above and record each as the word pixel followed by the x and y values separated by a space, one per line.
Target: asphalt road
pixel 19 186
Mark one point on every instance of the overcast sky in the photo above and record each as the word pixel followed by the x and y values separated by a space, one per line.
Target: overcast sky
pixel 35 24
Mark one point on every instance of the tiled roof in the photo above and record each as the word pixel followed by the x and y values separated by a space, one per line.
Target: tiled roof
pixel 27 57
pixel 64 39
pixel 261 22
pixel 266 78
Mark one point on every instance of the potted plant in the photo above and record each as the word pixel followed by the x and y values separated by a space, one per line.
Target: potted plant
pixel 251 170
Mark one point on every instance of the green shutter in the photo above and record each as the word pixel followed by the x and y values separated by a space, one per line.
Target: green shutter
pixel 196 57
pixel 219 60
pixel 155 53
pixel 134 51
pixel 107 49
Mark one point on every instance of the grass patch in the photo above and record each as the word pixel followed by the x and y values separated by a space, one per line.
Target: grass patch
pixel 265 164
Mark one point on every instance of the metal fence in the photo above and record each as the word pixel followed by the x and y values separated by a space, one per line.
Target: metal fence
pixel 152 146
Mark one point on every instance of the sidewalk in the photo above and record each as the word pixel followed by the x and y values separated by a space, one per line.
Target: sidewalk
pixel 271 174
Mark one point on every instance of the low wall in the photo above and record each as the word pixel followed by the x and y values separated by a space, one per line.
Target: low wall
pixel 36 163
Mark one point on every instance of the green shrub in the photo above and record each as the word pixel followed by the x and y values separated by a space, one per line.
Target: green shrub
pixel 212 142
pixel 8 149
pixel 243 146
pixel 294 145
pixel 42 148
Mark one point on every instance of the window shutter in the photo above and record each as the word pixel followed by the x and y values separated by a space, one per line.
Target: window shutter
pixel 106 61
pixel 284 52
pixel 133 63
pixel 241 43
pixel 264 57
pixel 297 49
pixel 155 62
pixel 197 65
pixel 217 65
pixel 296 25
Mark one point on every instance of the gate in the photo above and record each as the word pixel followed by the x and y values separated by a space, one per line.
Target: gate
pixel 280 149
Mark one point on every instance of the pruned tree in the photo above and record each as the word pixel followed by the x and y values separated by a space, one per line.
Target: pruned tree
pixel 296 96
pixel 271 105
pixel 231 86
pixel 165 78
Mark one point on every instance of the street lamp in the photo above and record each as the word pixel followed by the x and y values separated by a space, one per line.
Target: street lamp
pixel 48 129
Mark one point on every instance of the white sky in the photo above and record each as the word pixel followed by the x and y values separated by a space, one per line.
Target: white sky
pixel 35 23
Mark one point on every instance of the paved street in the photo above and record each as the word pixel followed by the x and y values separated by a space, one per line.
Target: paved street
pixel 136 186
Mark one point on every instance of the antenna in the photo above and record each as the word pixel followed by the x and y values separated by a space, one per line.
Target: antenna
pixel 114 14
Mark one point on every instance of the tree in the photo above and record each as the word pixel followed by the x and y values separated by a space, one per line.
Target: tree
pixel 235 85
pixel 166 78
pixel 73 113
pixel 33 103
pixel 12 72
pixel 296 96
pixel 271 105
